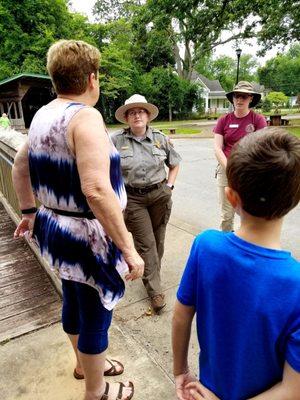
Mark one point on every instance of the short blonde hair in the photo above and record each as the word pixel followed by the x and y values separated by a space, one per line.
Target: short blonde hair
pixel 69 63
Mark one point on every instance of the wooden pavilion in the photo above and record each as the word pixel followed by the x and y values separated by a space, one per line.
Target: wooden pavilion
pixel 22 95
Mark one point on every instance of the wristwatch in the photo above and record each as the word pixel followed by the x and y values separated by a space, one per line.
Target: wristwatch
pixel 170 186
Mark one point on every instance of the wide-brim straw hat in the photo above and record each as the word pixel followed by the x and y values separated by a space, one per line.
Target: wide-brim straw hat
pixel 245 87
pixel 136 100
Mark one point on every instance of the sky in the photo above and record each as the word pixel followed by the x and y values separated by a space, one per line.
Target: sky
pixel 86 6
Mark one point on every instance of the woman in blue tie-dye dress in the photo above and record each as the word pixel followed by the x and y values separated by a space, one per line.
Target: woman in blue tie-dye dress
pixel 72 167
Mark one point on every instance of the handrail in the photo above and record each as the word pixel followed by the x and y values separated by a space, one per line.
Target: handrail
pixel 7 154
pixel 9 200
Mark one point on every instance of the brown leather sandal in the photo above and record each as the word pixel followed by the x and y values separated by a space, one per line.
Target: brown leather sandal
pixel 120 393
pixel 112 371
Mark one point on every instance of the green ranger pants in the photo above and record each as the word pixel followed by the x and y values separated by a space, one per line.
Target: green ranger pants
pixel 146 217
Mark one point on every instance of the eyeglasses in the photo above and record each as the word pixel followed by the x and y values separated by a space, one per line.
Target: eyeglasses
pixel 133 113
pixel 241 96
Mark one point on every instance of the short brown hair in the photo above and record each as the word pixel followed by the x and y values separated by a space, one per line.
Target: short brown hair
pixel 69 63
pixel 264 169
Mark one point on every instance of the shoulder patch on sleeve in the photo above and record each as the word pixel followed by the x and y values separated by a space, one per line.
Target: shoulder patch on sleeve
pixel 157 132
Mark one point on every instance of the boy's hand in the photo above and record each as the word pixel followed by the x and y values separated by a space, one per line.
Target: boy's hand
pixel 180 385
pixel 198 392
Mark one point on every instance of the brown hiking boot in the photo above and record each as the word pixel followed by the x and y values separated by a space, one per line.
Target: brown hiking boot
pixel 158 302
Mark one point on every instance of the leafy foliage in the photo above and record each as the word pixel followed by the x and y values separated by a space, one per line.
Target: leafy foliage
pixel 29 27
pixel 163 87
pixel 151 41
pixel 224 69
pixel 266 105
pixel 198 25
pixel 277 99
pixel 112 10
pixel 279 20
pixel 152 46
pixel 282 73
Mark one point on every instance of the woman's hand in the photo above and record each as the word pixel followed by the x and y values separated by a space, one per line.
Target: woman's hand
pixel 25 226
pixel 135 264
pixel 181 382
pixel 198 392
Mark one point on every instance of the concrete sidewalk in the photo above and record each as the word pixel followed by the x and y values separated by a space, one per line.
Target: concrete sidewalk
pixel 39 366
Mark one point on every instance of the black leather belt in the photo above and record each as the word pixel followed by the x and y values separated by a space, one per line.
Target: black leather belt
pixel 143 190
pixel 87 214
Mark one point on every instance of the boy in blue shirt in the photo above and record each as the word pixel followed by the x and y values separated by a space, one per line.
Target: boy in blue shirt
pixel 244 289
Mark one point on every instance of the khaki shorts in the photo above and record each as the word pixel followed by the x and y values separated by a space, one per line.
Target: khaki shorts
pixel 227 211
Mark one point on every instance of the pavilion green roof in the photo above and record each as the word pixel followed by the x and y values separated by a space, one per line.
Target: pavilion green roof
pixel 25 76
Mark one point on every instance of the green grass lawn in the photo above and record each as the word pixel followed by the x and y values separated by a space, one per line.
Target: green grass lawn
pixel 295 121
pixel 189 127
pixel 161 124
pixel 182 127
pixel 182 131
pixel 294 131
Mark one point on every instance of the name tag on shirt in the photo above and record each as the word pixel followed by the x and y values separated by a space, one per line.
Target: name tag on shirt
pixel 233 125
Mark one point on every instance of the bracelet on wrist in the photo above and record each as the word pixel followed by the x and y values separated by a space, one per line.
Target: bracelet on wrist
pixel 31 210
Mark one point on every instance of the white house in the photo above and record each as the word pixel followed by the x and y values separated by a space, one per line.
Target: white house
pixel 293 101
pixel 212 93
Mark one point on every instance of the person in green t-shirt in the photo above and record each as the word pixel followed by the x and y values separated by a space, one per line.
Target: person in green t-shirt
pixel 4 121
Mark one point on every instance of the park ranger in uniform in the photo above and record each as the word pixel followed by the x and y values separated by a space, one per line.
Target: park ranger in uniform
pixel 145 152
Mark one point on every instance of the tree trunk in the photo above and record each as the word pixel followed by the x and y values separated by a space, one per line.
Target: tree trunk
pixel 178 60
pixel 187 63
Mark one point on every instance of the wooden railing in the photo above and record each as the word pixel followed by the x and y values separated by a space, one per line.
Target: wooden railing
pixel 9 200
pixel 7 154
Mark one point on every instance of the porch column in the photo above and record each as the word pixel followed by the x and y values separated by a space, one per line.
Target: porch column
pixel 206 103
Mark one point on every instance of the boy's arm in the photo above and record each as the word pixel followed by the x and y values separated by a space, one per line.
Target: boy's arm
pixel 181 332
pixel 287 389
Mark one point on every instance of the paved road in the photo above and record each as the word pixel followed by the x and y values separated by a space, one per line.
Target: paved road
pixel 195 195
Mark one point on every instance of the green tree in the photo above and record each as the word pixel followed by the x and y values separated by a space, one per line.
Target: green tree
pixel 266 105
pixel 248 68
pixel 277 99
pixel 29 27
pixel 112 10
pixel 282 73
pixel 116 76
pixel 223 68
pixel 173 96
pixel 151 46
pixel 197 26
pixel 279 22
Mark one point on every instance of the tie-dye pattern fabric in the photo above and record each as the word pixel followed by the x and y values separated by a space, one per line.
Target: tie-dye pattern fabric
pixel 78 247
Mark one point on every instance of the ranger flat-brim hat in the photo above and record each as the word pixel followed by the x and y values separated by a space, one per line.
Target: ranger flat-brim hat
pixel 134 101
pixel 245 87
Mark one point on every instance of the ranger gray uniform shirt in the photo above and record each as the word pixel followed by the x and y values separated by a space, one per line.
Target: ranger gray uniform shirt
pixel 143 161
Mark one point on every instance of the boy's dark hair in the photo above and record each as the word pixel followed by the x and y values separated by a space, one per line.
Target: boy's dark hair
pixel 264 169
